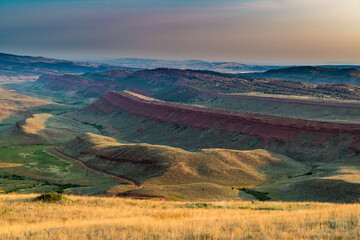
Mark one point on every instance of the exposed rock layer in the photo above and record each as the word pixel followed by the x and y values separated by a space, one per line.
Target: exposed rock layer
pixel 262 126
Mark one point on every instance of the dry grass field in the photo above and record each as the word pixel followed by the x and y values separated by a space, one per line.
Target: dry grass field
pixel 116 218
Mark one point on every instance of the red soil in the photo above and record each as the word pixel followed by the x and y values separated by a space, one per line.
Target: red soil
pixel 262 126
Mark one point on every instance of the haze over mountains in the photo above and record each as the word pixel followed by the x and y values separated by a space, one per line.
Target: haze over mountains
pixel 181 134
pixel 226 67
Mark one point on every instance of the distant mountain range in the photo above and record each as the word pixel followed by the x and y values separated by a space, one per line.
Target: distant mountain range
pixel 314 75
pixel 224 67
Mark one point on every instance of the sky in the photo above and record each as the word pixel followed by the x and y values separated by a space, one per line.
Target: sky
pixel 249 31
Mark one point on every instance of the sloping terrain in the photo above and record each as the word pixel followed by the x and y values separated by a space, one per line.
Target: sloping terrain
pixel 163 80
pixel 32 169
pixel 330 182
pixel 191 127
pixel 35 124
pixel 314 75
pixel 43 128
pixel 164 168
pixel 15 107
pixel 13 100
pixel 29 120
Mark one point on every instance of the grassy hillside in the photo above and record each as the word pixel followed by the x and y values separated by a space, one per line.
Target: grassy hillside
pixel 13 105
pixel 330 182
pixel 168 170
pixel 114 218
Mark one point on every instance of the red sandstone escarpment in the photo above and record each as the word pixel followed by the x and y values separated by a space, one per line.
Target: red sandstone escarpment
pixel 262 126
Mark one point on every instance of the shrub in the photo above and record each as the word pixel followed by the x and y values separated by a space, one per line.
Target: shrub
pixel 261 196
pixel 51 197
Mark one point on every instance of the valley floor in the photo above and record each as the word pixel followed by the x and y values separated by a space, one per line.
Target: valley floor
pixel 114 218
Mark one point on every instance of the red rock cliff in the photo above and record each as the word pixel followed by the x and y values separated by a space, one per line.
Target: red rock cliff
pixel 262 126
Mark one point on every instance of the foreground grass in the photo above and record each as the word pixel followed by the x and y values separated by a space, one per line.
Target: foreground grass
pixel 114 218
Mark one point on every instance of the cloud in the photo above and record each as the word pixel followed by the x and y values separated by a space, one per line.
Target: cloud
pixel 257 30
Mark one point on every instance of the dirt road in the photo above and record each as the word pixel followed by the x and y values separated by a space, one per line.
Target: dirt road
pixel 131 182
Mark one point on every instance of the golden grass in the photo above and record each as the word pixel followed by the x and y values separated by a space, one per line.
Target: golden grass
pixel 349 174
pixel 301 97
pixel 9 165
pixel 36 123
pixel 142 96
pixel 13 100
pixel 111 218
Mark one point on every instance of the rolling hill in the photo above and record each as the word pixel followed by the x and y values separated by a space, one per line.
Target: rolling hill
pixel 163 170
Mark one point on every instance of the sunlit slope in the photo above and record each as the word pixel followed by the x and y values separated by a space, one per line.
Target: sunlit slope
pixel 162 165
pixel 12 105
pixel 44 128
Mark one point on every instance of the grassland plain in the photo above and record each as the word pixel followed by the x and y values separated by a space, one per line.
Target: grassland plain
pixel 115 218
pixel 27 169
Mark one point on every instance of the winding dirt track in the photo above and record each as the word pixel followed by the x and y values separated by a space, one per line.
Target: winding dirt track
pixel 133 183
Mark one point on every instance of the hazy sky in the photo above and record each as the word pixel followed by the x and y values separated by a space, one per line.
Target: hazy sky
pixel 257 31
